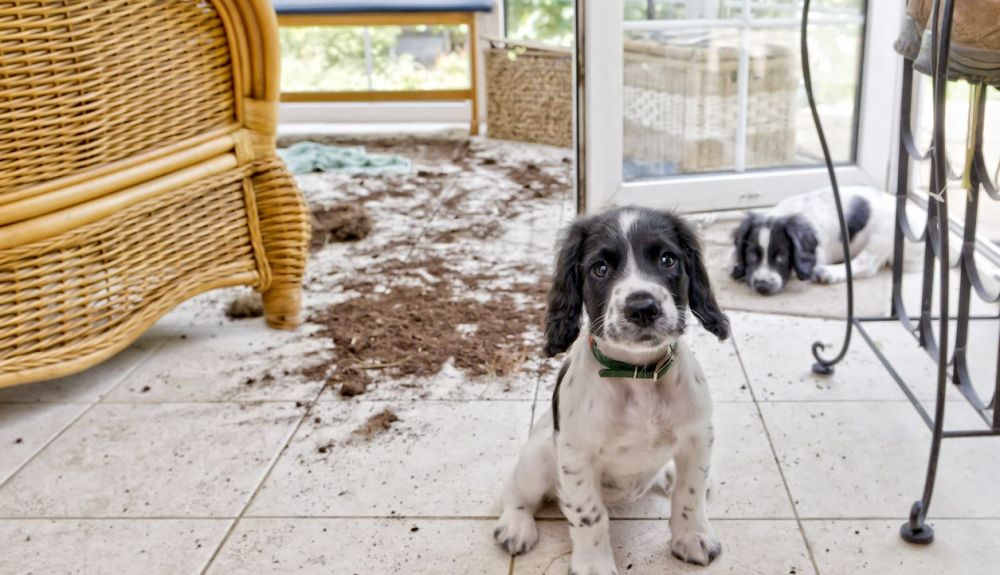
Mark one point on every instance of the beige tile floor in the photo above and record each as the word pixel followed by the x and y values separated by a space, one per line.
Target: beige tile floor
pixel 164 460
pixel 196 475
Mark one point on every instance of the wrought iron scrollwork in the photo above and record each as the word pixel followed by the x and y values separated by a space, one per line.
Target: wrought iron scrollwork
pixel 932 326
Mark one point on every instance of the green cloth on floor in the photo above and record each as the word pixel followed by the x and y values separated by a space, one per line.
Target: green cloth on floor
pixel 308 157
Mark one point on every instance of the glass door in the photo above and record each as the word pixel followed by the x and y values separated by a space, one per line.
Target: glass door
pixel 700 104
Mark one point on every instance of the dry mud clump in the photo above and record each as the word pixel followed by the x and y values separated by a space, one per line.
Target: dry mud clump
pixel 346 222
pixel 377 424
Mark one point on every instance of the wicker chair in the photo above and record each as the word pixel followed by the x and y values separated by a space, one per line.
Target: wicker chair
pixel 137 169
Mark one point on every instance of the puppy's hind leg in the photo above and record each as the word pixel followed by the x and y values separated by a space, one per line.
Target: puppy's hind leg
pixel 533 479
pixel 864 265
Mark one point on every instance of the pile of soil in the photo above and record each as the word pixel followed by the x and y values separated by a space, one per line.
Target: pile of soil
pixel 345 222
pixel 414 330
pixel 244 306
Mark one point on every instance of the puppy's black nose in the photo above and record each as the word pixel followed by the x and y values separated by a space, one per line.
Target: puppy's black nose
pixel 641 309
pixel 764 288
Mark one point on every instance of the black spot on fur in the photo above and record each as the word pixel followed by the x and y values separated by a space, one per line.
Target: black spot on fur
pixel 858 214
pixel 555 393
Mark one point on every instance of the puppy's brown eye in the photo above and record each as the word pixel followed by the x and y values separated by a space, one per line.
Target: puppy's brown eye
pixel 600 269
pixel 667 260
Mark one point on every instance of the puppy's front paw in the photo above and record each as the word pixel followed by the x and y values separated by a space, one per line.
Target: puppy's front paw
pixel 828 275
pixel 592 564
pixel 516 531
pixel 697 547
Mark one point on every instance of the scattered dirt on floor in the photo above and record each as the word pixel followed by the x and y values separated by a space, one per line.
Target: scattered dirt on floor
pixel 437 287
pixel 245 305
pixel 376 424
pixel 414 330
pixel 345 222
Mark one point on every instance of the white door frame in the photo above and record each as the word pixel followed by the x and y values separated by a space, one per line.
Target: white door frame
pixel 600 125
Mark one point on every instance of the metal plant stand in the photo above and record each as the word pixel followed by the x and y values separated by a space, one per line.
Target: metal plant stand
pixel 951 367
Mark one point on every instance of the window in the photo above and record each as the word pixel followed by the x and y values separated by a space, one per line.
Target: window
pixel 341 59
pixel 716 85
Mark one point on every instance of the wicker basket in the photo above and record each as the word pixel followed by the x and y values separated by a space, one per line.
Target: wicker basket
pixel 681 106
pixel 529 92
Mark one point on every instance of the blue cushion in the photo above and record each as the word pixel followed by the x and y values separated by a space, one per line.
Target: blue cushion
pixel 369 6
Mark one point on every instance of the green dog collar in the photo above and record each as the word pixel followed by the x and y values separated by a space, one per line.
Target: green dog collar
pixel 615 368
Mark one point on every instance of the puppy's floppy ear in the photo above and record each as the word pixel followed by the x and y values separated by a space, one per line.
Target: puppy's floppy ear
pixel 562 322
pixel 804 243
pixel 701 299
pixel 740 237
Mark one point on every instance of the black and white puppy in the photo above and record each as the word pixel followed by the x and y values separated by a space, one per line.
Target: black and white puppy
pixel 802 234
pixel 614 433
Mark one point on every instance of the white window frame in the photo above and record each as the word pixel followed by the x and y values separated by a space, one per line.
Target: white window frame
pixel 602 122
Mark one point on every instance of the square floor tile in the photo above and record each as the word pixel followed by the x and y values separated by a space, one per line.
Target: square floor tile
pixel 322 546
pixel 236 361
pixel 115 547
pixel 721 364
pixel 848 459
pixel 643 548
pixel 746 482
pixel 163 460
pixel 776 351
pixel 919 370
pixel 913 289
pixel 26 428
pixel 858 546
pixel 88 386
pixel 438 459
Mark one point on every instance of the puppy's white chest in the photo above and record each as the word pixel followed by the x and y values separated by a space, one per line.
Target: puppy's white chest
pixel 642 437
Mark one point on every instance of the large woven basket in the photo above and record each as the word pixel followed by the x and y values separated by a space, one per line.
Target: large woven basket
pixel 681 106
pixel 529 91
pixel 137 169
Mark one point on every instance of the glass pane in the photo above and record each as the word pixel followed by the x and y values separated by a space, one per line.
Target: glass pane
pixel 956 127
pixel 681 9
pixel 818 9
pixel 727 95
pixel 680 102
pixel 781 136
pixel 343 59
pixel 548 21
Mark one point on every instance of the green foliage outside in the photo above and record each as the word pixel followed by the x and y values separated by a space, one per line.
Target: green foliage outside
pixel 333 58
pixel 549 21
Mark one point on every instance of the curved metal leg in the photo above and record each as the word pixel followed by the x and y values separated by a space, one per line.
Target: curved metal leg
pixel 824 366
pixel 916 529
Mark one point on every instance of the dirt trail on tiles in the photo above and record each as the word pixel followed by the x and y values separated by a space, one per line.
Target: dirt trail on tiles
pixel 451 269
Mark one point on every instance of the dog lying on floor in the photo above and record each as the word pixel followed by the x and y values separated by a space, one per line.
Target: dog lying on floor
pixel 802 234
pixel 630 399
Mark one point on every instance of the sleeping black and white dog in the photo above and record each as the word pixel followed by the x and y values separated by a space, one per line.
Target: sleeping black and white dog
pixel 802 235
pixel 630 400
